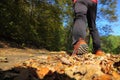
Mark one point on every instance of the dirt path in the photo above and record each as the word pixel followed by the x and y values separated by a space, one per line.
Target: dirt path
pixel 14 56
pixel 35 64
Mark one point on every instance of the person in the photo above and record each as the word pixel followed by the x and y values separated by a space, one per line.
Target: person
pixel 85 12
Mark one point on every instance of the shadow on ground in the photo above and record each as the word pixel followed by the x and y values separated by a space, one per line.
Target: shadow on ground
pixel 21 73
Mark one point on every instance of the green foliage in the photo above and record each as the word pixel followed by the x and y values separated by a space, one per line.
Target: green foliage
pixel 111 44
pixel 32 22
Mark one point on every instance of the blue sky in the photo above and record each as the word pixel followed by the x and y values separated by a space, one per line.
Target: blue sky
pixel 115 25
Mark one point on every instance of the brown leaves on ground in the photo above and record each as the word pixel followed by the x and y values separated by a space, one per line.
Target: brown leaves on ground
pixel 103 77
pixel 42 71
pixel 60 66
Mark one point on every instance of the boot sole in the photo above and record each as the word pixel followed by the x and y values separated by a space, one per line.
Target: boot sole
pixel 83 48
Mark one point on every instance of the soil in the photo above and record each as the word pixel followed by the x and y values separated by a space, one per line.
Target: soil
pixel 15 55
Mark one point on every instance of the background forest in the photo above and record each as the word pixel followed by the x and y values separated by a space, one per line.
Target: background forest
pixel 48 23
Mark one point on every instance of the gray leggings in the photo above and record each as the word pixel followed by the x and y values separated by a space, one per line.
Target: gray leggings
pixel 85 14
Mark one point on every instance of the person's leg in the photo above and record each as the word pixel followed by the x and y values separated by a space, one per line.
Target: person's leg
pixel 79 27
pixel 91 18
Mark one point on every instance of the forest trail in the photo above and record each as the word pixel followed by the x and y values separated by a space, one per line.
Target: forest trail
pixel 36 64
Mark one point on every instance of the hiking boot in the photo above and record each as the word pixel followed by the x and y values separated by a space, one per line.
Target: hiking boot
pixel 80 48
pixel 99 53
